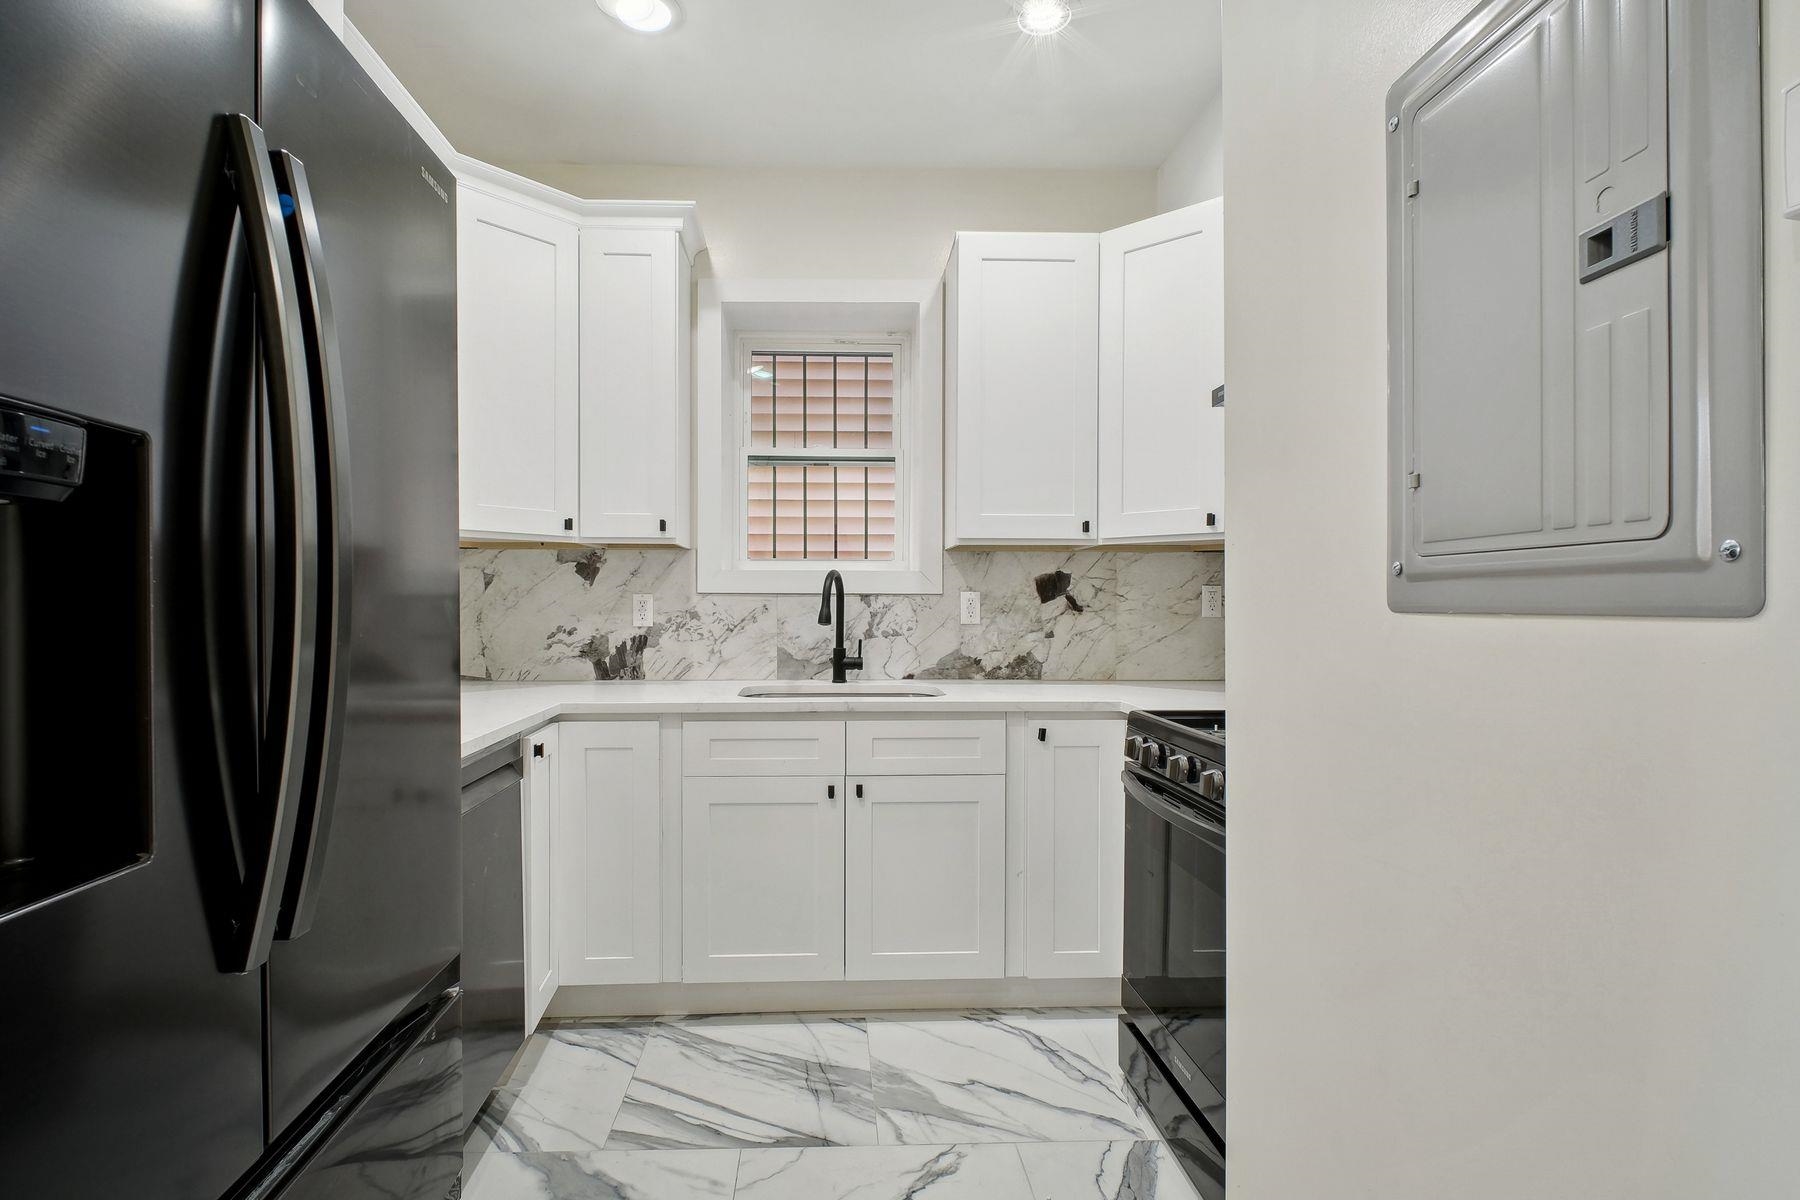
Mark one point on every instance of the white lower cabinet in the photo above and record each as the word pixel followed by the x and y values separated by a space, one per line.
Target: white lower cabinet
pixel 608 883
pixel 1074 848
pixel 926 877
pixel 541 977
pixel 762 888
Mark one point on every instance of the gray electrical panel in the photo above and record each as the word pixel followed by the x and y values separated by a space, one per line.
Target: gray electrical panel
pixel 1575 302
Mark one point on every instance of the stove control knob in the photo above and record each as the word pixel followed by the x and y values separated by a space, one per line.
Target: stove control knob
pixel 1134 746
pixel 1212 785
pixel 1150 756
pixel 1179 768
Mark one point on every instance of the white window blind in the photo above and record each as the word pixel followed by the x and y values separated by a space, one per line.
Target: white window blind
pixel 821 464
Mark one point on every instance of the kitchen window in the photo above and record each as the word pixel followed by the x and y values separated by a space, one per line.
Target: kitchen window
pixel 819 430
pixel 821 463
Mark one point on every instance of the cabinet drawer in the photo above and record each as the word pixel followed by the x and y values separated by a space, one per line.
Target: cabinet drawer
pixel 762 748
pixel 953 747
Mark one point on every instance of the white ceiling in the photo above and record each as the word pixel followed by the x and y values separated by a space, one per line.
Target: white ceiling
pixel 916 83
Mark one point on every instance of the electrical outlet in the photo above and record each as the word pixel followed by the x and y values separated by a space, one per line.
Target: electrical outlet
pixel 971 608
pixel 1212 600
pixel 643 610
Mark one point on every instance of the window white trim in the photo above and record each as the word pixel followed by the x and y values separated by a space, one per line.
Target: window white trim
pixel 818 315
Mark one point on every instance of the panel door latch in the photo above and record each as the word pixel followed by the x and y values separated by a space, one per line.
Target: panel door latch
pixel 1636 233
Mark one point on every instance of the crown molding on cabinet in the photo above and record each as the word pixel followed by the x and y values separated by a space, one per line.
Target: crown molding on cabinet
pixel 680 215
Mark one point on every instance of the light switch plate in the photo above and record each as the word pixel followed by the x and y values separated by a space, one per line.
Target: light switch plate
pixel 643 611
pixel 1212 600
pixel 970 608
pixel 1792 156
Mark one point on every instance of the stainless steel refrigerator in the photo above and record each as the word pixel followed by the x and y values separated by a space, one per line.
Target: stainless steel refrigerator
pixel 229 914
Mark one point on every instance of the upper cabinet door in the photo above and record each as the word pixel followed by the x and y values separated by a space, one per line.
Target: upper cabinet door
pixel 633 386
pixel 517 298
pixel 1162 355
pixel 1023 325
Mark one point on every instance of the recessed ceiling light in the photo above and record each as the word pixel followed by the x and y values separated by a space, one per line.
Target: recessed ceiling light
pixel 1041 18
pixel 645 16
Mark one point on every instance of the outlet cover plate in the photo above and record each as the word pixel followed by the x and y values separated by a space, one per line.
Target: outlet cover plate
pixel 970 608
pixel 643 610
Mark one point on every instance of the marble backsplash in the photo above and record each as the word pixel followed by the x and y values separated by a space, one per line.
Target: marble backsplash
pixel 566 614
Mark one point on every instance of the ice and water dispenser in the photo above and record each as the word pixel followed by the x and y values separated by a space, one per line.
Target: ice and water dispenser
pixel 74 664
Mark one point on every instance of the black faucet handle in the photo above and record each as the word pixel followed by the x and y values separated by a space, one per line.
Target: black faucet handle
pixel 854 662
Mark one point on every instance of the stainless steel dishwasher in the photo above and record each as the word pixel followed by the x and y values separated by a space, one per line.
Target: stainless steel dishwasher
pixel 493 921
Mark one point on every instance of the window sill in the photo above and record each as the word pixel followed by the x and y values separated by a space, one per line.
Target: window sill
pixel 806 578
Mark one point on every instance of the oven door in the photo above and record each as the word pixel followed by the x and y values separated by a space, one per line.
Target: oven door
pixel 1175 940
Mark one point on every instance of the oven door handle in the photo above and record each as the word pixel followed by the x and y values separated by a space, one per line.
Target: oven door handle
pixel 1184 819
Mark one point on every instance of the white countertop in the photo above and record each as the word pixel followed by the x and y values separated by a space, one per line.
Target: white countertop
pixel 494 712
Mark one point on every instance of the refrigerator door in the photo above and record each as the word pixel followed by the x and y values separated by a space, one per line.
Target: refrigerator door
pixel 131 1063
pixel 381 884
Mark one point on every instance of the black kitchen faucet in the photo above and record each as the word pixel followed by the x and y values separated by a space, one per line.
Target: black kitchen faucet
pixel 840 661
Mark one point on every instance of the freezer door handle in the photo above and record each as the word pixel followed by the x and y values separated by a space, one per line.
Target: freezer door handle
pixel 294 622
pixel 331 454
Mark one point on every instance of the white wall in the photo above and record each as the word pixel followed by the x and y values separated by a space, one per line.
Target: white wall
pixel 851 223
pixel 1515 903
pixel 1195 168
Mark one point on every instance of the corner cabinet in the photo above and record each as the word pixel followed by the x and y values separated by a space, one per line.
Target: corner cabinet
pixel 1084 385
pixel 1162 377
pixel 634 386
pixel 1022 340
pixel 518 323
pixel 607 856
pixel 573 365
pixel 1074 848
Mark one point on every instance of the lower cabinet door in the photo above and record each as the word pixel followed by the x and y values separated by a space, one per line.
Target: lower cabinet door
pixel 762 879
pixel 1074 848
pixel 606 860
pixel 925 877
pixel 540 837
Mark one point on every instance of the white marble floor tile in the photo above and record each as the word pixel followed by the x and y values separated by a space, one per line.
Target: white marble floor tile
pixel 1142 1170
pixel 750 1081
pixel 564 1091
pixel 999 1078
pixel 632 1175
pixel 969 1172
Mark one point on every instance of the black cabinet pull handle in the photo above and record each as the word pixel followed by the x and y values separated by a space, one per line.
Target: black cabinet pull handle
pixel 1043 735
pixel 859 794
pixel 568 522
pixel 831 791
pixel 662 526
pixel 537 750
pixel 1087 527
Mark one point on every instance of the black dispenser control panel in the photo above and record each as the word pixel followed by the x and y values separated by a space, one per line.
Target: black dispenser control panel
pixel 40 456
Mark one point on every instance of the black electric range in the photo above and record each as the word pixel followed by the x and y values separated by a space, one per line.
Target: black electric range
pixel 1172 1036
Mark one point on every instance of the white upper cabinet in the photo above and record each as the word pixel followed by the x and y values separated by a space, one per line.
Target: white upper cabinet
pixel 1022 321
pixel 634 386
pixel 517 295
pixel 1162 355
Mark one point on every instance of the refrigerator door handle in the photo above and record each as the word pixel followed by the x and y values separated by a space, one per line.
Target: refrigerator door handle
pixel 292 659
pixel 331 440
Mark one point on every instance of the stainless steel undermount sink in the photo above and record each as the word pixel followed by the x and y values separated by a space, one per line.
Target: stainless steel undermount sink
pixel 862 689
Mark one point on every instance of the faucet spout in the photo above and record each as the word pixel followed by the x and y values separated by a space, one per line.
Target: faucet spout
pixel 840 660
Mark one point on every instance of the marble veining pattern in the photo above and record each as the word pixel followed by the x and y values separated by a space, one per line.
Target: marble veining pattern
pixel 748 1081
pixel 540 614
pixel 981 1105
